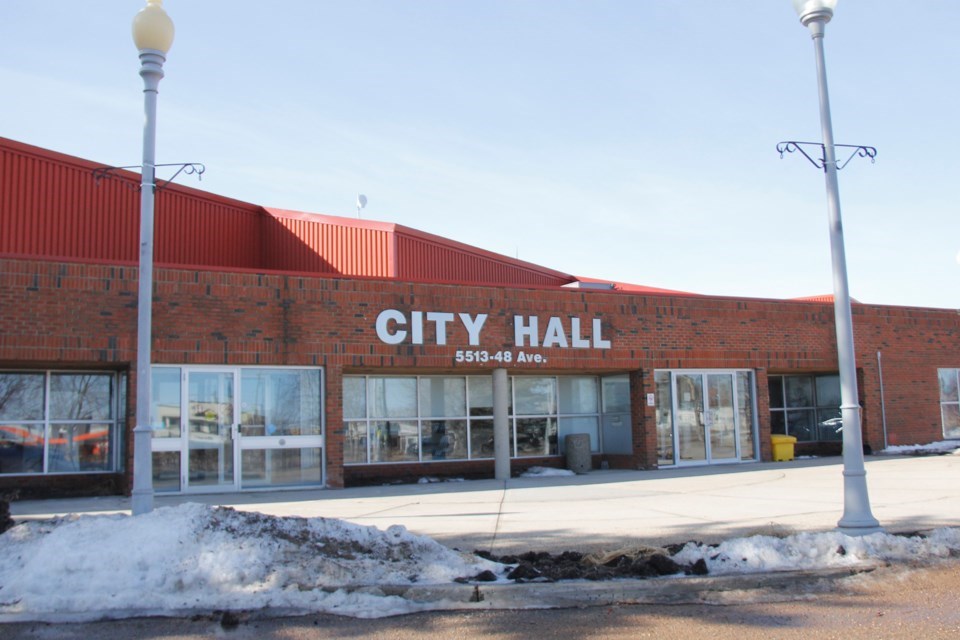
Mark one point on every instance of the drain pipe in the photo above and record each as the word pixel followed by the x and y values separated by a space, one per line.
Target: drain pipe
pixel 883 405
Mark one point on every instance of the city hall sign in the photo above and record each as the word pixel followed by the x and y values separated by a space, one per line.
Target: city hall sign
pixel 396 327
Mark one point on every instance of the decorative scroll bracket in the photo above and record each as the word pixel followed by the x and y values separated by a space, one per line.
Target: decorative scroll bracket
pixel 187 168
pixel 862 151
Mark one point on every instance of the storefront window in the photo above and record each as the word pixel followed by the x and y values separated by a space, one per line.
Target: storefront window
pixel 481 439
pixel 806 407
pixel 799 391
pixel 355 443
pixel 579 398
pixel 394 441
pixel 481 395
pixel 444 439
pixel 801 425
pixel 354 398
pixel 437 418
pixel 443 397
pixel 81 396
pixel 578 394
pixel 536 437
pixel 570 425
pixel 392 397
pixel 534 396
pixel 79 447
pixel 950 402
pixel 58 422
pixel 21 396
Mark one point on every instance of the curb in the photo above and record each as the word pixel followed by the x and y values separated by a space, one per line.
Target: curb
pixel 729 589
pixel 573 594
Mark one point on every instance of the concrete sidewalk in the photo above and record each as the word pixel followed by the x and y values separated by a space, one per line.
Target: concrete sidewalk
pixel 608 509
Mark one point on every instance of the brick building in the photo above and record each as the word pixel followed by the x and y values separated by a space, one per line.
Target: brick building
pixel 299 350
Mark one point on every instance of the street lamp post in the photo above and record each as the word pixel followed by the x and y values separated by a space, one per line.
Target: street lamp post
pixel 857 518
pixel 152 35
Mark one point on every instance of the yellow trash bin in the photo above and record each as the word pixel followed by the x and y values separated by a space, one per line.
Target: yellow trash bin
pixel 782 447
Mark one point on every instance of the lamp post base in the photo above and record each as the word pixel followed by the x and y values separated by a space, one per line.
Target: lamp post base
pixel 856 531
pixel 857 519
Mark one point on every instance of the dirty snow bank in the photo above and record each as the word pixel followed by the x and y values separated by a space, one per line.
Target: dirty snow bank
pixel 941 447
pixel 196 557
pixel 810 551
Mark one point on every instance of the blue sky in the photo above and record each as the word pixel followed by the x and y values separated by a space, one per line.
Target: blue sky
pixel 625 139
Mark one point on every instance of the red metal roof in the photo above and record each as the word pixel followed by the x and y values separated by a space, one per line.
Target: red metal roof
pixel 352 246
pixel 825 298
pixel 52 207
pixel 626 287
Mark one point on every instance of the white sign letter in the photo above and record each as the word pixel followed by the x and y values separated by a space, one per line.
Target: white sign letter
pixel 598 341
pixel 575 340
pixel 473 327
pixel 554 335
pixel 416 327
pixel 520 330
pixel 383 326
pixel 440 319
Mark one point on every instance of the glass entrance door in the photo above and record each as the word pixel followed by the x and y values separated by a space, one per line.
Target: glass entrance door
pixel 710 420
pixel 235 428
pixel 212 433
pixel 690 418
pixel 721 421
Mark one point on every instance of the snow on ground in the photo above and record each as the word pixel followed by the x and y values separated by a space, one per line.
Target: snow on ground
pixel 196 558
pixel 946 446
pixel 812 551
pixel 545 472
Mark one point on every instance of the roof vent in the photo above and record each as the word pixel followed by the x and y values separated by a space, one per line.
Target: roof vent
pixel 580 284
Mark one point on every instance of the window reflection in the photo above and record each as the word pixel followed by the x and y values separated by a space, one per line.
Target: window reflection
pixel 165 402
pixel 74 430
pixel 950 402
pixel 664 408
pixel 76 447
pixel 280 402
pixel 80 396
pixel 806 406
pixel 435 418
pixel 21 396
pixel 535 396
pixel 393 397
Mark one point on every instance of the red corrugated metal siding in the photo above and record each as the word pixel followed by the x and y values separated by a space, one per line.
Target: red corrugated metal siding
pixel 198 231
pixel 50 205
pixel 294 244
pixel 424 260
pixel 52 209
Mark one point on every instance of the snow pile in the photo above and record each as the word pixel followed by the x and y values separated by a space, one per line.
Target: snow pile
pixel 920 449
pixel 195 557
pixel 809 551
pixel 545 472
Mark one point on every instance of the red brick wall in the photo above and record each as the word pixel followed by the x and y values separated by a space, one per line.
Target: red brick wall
pixel 74 314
